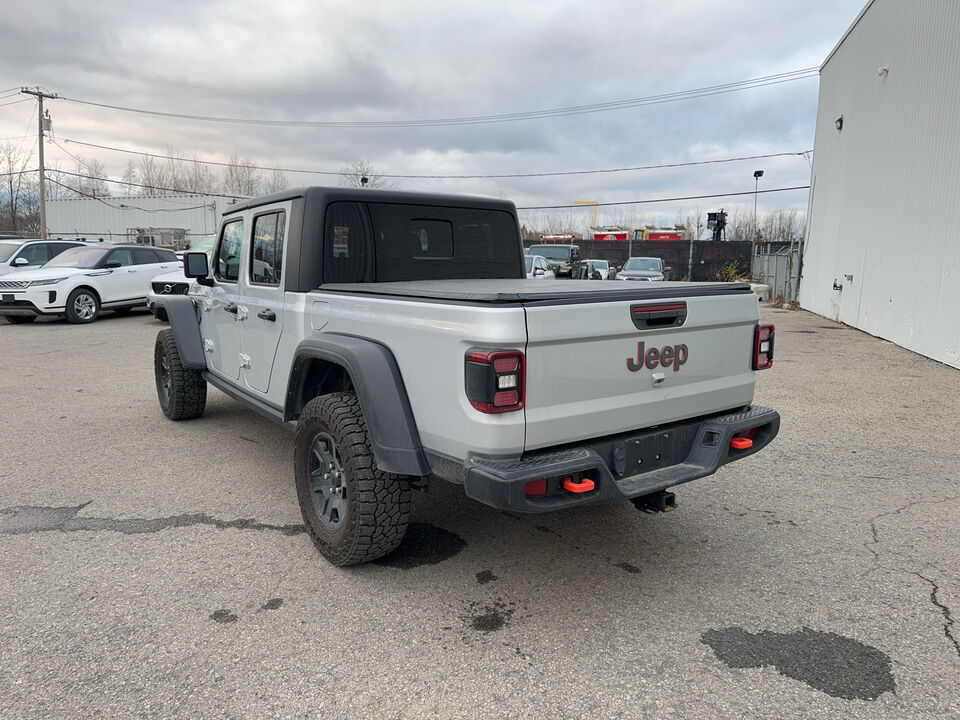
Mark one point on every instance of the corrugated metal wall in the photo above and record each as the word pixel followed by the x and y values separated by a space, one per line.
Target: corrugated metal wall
pixel 110 218
pixel 885 199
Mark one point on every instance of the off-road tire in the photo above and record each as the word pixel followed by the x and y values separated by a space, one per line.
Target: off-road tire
pixel 182 393
pixel 377 503
pixel 71 312
pixel 21 319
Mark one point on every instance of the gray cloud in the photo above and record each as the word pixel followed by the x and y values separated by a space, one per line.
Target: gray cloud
pixel 411 59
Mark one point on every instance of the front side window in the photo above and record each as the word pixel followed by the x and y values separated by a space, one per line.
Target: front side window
pixel 35 254
pixel 123 256
pixel 266 258
pixel 228 254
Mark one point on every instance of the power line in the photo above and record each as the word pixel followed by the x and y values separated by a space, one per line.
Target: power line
pixel 15 102
pixel 483 119
pixel 445 177
pixel 18 172
pixel 180 191
pixel 670 199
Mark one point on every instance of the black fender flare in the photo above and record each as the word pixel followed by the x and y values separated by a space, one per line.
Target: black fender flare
pixel 182 316
pixel 376 379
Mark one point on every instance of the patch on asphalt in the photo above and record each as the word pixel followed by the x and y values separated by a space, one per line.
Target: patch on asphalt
pixel 32 519
pixel 485 576
pixel 223 616
pixel 272 604
pixel 424 544
pixel 488 618
pixel 837 665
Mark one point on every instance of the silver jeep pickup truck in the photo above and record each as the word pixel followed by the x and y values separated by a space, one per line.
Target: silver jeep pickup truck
pixel 397 335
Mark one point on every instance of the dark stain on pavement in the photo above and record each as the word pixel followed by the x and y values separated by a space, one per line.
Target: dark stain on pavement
pixel 489 618
pixel 837 665
pixel 485 576
pixel 223 616
pixel 424 544
pixel 627 567
pixel 31 519
pixel 549 531
pixel 272 604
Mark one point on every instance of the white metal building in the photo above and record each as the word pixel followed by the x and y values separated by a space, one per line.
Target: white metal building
pixel 158 220
pixel 883 234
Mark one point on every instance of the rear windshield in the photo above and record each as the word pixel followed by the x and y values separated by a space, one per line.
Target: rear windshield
pixel 419 242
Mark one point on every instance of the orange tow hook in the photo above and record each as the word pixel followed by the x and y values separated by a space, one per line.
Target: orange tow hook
pixel 739 443
pixel 570 485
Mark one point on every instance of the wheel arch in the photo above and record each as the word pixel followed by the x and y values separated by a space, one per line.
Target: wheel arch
pixel 334 363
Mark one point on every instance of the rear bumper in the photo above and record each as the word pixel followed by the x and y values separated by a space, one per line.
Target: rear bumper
pixel 621 466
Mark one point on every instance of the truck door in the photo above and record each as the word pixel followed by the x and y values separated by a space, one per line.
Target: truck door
pixel 262 302
pixel 221 321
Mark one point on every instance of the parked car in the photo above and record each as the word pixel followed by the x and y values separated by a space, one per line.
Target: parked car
pixel 537 268
pixel 643 268
pixel 174 282
pixel 82 281
pixel 598 266
pixel 17 255
pixel 401 361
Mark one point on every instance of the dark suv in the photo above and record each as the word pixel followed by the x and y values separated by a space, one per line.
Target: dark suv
pixel 564 260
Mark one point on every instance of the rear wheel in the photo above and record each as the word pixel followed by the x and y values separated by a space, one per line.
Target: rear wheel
pixel 354 511
pixel 83 306
pixel 182 392
pixel 21 319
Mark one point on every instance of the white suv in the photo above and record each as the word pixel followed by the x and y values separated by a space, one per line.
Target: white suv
pixel 19 255
pixel 81 281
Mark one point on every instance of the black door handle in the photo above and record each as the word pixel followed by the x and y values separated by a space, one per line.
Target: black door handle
pixel 231 308
pixel 267 314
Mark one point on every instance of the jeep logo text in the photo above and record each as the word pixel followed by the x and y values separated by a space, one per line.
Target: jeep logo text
pixel 667 356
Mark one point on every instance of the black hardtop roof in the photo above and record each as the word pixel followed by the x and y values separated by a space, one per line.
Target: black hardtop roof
pixel 559 245
pixel 316 193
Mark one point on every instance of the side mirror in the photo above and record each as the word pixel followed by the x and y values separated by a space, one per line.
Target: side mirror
pixel 112 264
pixel 667 268
pixel 537 271
pixel 196 266
pixel 21 261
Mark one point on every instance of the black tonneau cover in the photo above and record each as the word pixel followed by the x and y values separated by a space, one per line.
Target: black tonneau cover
pixel 507 292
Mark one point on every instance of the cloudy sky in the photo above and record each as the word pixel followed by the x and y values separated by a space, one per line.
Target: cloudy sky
pixel 416 60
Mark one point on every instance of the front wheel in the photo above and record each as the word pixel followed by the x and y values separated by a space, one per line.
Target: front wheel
pixel 83 306
pixel 354 511
pixel 182 392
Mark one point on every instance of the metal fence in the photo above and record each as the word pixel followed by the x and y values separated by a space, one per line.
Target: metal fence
pixel 778 265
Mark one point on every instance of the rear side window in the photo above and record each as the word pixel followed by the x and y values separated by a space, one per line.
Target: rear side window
pixel 166 255
pixel 346 245
pixel 228 253
pixel 144 256
pixel 266 260
pixel 419 242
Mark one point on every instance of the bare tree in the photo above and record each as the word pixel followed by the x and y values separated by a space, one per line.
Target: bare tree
pixel 13 162
pixel 363 174
pixel 241 177
pixel 93 183
pixel 276 182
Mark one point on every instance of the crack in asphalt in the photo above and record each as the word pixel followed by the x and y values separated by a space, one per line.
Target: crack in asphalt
pixel 875 541
pixel 870 545
pixel 25 519
pixel 948 617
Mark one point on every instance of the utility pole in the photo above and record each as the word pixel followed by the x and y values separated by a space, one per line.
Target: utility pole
pixel 43 121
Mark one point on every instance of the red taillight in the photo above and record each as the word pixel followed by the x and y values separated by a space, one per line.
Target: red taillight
pixel 494 380
pixel 763 346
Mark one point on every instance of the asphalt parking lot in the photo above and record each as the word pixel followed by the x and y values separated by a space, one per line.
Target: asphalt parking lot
pixel 158 569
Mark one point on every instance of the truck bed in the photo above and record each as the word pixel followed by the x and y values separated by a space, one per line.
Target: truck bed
pixel 525 291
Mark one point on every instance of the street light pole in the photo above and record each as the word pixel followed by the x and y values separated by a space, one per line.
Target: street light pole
pixel 757 174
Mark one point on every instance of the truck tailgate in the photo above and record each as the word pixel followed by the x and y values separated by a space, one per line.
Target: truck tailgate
pixel 590 370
